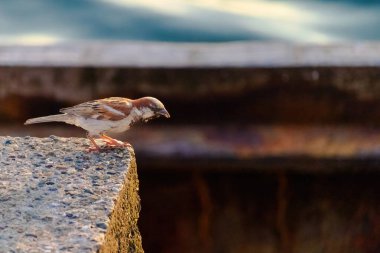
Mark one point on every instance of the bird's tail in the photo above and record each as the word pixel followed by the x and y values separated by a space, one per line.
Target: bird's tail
pixel 51 118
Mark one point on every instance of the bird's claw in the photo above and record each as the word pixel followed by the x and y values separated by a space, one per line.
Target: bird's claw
pixel 127 145
pixel 93 149
pixel 119 145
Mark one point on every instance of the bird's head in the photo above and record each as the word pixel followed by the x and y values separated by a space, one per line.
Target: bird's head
pixel 151 108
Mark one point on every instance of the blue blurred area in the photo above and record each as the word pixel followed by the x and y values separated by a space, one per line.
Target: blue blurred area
pixel 322 21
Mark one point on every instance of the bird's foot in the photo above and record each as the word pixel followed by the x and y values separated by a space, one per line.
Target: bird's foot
pixel 93 149
pixel 127 144
pixel 118 145
pixel 113 143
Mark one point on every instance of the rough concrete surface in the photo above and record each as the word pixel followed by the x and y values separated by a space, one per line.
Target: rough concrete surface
pixel 57 197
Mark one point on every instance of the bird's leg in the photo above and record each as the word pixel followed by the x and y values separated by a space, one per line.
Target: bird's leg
pixel 113 142
pixel 96 147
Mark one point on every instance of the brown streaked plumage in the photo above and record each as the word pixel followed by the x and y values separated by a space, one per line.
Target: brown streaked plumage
pixel 103 116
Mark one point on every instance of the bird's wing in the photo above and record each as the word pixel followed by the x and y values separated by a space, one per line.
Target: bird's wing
pixel 113 109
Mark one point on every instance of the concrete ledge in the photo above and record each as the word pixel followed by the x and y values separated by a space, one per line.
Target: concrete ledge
pixel 155 54
pixel 56 197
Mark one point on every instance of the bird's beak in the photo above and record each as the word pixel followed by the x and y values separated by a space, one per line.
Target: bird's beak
pixel 164 113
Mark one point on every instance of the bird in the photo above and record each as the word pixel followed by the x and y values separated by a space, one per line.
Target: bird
pixel 108 115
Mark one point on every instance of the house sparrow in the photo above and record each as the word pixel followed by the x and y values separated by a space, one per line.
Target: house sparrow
pixel 108 115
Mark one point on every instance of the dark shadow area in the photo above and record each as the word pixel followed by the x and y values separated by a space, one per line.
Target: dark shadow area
pixel 259 212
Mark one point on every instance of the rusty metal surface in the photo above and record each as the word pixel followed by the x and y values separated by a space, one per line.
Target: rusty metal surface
pixel 260 141
pixel 80 83
pixel 204 96
pixel 260 212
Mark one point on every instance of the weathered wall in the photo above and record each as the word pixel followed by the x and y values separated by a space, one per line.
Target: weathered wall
pixel 270 148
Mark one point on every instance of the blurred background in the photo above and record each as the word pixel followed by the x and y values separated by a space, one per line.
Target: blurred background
pixel 274 140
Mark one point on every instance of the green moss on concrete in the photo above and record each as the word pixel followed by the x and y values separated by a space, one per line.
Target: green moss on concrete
pixel 123 234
